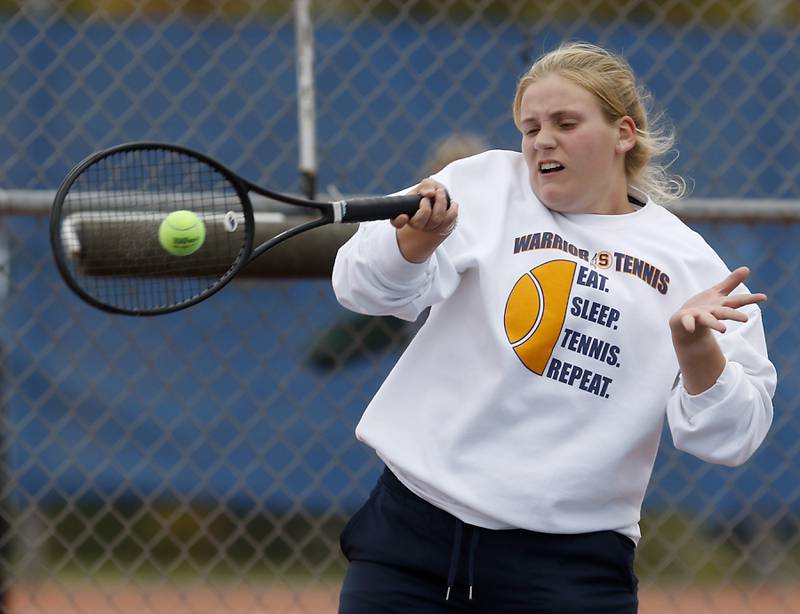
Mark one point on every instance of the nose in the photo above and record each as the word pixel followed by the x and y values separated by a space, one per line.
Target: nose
pixel 544 139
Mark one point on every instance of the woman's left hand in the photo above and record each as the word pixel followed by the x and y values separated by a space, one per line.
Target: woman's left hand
pixel 700 358
pixel 707 310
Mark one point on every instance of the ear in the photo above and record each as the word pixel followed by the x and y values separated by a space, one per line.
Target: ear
pixel 627 135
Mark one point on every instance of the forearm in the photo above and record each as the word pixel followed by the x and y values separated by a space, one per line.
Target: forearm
pixel 417 246
pixel 701 362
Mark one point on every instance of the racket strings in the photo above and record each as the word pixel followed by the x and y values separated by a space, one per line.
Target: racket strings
pixel 110 223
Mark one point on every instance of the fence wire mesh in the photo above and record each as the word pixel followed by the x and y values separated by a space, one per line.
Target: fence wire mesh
pixel 205 461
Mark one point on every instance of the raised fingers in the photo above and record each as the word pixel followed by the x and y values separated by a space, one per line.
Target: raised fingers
pixel 740 300
pixel 728 313
pixel 732 281
pixel 697 318
pixel 687 322
pixel 708 320
pixel 712 317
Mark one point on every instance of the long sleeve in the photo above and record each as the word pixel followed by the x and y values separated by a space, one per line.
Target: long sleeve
pixel 726 423
pixel 370 275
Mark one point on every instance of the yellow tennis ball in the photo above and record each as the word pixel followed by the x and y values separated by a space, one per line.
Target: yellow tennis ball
pixel 182 233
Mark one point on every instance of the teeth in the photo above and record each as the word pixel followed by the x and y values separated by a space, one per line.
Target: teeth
pixel 549 166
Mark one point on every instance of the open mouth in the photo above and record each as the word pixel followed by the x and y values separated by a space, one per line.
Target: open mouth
pixel 549 167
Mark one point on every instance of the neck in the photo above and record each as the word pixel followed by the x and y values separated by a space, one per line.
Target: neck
pixel 616 200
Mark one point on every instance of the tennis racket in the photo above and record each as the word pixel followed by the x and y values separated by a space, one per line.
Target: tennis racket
pixel 108 214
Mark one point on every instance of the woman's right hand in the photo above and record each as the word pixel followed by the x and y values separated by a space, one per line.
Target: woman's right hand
pixel 418 236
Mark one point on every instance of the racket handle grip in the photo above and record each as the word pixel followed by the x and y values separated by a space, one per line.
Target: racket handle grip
pixel 381 208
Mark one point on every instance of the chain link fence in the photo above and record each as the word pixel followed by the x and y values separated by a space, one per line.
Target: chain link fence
pixel 205 461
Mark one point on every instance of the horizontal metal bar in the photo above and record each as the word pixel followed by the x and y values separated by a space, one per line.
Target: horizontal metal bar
pixel 39 202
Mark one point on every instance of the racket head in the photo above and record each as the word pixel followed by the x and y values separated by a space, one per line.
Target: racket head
pixel 104 228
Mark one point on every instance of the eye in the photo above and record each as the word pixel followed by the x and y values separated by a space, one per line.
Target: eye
pixel 532 131
pixel 566 125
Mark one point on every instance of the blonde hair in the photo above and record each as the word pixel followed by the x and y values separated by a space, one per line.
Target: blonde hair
pixel 612 81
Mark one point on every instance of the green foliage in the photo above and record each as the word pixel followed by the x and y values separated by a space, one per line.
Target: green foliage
pixel 185 542
pixel 223 8
pixel 675 12
pixel 355 337
pixel 678 547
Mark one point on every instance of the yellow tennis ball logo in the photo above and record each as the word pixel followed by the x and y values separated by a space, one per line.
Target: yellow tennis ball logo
pixel 182 233
pixel 536 310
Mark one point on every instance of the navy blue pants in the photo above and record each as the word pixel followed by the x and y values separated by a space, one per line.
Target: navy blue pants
pixel 408 556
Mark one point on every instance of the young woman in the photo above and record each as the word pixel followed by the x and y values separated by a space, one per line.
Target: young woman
pixel 569 313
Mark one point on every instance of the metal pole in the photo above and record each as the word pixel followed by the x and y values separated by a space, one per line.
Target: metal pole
pixel 306 114
pixel 5 520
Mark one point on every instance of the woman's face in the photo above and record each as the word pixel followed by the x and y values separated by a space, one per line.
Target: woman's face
pixel 575 158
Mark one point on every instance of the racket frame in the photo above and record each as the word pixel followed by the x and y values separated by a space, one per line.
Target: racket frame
pixel 241 187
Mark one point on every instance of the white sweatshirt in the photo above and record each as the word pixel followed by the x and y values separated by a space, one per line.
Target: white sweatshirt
pixel 534 395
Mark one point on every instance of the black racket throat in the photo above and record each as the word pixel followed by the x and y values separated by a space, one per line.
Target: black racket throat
pixel 150 228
